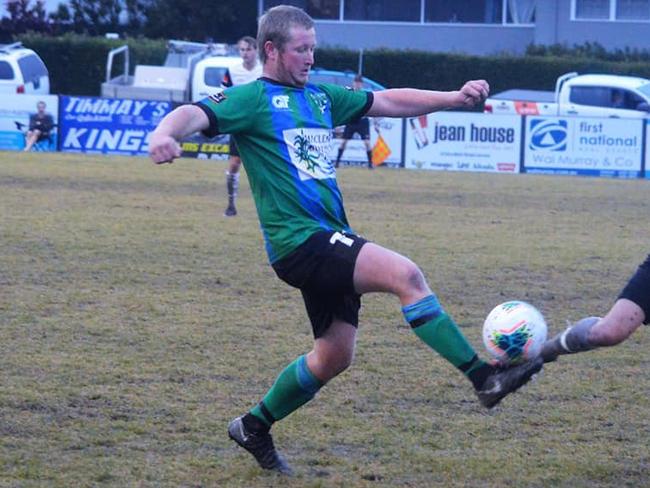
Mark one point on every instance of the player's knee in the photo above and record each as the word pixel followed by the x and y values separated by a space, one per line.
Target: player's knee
pixel 413 278
pixel 342 360
pixel 333 362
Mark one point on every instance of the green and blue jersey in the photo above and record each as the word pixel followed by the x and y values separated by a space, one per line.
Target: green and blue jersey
pixel 284 134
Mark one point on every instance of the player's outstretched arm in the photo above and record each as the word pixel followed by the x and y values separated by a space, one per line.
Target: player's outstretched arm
pixel 410 102
pixel 181 122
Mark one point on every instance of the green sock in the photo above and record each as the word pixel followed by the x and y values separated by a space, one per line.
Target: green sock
pixel 437 330
pixel 294 387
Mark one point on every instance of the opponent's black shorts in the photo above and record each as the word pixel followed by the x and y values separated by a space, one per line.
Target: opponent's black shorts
pixel 637 289
pixel 323 269
pixel 233 150
pixel 361 127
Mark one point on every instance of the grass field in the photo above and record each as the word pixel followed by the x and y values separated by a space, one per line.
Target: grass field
pixel 137 321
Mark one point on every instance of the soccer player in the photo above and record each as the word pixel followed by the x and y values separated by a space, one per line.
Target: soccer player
pixel 248 71
pixel 283 127
pixel 631 309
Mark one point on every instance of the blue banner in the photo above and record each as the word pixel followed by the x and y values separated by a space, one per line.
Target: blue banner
pixel 109 126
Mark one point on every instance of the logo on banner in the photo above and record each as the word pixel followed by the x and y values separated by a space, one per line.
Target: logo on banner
pixel 548 135
pixel 113 126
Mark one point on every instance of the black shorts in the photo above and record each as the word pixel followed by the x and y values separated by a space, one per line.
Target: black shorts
pixel 233 150
pixel 323 269
pixel 637 289
pixel 361 127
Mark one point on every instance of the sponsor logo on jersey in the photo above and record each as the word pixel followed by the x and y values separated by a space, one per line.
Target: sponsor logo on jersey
pixel 217 97
pixel 280 102
pixel 309 149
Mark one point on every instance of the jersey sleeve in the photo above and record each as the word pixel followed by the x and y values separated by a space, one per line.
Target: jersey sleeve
pixel 231 111
pixel 347 105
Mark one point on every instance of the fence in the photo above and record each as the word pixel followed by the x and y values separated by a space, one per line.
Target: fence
pixel 451 141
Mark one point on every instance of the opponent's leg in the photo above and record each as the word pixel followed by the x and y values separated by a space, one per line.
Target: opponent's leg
pixel 593 332
pixel 628 313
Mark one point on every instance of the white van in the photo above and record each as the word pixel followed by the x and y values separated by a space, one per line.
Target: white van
pixel 208 74
pixel 191 72
pixel 22 71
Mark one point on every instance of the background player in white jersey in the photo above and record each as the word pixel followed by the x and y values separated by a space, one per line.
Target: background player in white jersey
pixel 249 70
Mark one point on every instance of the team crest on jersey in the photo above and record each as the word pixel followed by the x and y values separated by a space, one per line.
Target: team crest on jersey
pixel 309 149
pixel 217 97
pixel 320 99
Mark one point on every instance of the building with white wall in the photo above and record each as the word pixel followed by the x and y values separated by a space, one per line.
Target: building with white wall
pixel 476 26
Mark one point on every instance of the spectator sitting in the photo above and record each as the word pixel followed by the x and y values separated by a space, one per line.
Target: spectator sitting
pixel 40 125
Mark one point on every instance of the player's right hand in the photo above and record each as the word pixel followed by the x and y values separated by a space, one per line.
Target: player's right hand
pixel 163 149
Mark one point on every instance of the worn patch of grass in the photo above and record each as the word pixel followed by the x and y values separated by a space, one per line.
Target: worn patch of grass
pixel 137 321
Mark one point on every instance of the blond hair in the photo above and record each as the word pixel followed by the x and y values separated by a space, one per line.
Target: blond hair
pixel 274 26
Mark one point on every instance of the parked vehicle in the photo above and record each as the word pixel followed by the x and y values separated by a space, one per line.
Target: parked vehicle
pixel 22 70
pixel 344 78
pixel 191 71
pixel 589 95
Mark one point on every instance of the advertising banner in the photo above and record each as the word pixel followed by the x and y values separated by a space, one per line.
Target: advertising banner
pixel 20 113
pixel 464 141
pixel 199 146
pixel 385 142
pixel 109 126
pixel 583 146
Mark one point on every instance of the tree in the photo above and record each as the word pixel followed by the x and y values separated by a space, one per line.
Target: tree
pixel 23 17
pixel 198 20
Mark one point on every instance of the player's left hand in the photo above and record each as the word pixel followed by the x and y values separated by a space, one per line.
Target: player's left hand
pixel 473 92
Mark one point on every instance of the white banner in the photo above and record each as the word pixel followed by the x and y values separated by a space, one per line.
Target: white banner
pixel 355 150
pixel 464 141
pixel 583 146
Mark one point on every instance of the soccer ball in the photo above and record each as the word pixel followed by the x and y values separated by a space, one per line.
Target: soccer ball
pixel 514 332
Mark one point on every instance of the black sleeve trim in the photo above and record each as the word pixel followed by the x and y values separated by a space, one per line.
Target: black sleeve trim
pixel 213 130
pixel 369 101
pixel 370 98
